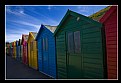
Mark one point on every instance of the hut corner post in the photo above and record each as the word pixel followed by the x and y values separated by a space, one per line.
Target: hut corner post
pixel 104 51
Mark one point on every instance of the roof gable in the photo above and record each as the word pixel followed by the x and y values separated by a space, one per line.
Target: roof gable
pixel 71 13
pixel 48 27
pixel 32 34
pixel 51 28
pixel 24 38
pixel 98 15
pixel 107 14
pixel 39 31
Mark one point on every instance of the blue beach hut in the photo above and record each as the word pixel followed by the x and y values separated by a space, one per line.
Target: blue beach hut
pixel 46 50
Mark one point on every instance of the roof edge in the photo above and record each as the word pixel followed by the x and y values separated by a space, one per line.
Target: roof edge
pixel 107 14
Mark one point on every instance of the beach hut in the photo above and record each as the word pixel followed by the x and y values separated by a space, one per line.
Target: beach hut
pixel 79 48
pixel 108 17
pixel 11 49
pixel 7 48
pixel 17 50
pixel 32 50
pixel 20 50
pixel 46 50
pixel 24 43
pixel 21 54
pixel 109 21
pixel 14 49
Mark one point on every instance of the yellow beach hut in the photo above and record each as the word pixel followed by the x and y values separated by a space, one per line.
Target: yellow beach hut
pixel 32 50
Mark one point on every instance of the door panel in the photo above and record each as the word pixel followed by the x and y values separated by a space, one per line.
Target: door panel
pixel 45 55
pixel 40 57
pixel 73 55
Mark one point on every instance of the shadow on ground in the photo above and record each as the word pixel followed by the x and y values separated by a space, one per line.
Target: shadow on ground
pixel 17 70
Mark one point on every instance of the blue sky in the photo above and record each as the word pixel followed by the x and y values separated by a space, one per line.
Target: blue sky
pixel 22 19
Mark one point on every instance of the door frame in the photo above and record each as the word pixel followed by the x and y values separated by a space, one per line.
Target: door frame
pixel 67 54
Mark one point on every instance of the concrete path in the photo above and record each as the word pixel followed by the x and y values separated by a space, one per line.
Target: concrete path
pixel 17 70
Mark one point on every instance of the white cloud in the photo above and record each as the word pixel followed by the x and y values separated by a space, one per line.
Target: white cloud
pixel 27 23
pixel 18 12
pixel 15 34
pixel 21 11
pixel 26 19
pixel 82 9
pixel 12 35
pixel 49 7
pixel 35 22
pixel 18 31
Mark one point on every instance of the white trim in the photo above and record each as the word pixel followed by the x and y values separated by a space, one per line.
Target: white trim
pixel 117 42
pixel 46 74
pixel 60 5
pixel 5 42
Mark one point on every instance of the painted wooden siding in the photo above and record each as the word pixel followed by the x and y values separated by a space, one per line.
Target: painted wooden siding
pixel 21 54
pixel 111 45
pixel 52 56
pixel 92 52
pixel 34 55
pixel 14 49
pixel 61 56
pixel 15 52
pixel 32 50
pixel 18 52
pixel 25 57
pixel 29 61
pixel 91 49
pixel 40 57
pixel 11 51
pixel 29 51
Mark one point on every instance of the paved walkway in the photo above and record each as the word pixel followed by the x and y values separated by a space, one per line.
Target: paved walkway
pixel 17 70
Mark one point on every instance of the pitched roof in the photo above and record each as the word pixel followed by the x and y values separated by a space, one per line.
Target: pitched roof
pixel 108 13
pixel 69 12
pixel 51 28
pixel 34 34
pixel 24 37
pixel 98 15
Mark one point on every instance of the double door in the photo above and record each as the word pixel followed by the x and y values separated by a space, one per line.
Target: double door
pixel 73 54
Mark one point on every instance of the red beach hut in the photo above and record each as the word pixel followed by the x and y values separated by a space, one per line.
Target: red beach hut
pixel 109 20
pixel 24 43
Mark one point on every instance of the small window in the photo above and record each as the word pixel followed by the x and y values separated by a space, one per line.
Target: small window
pixel 43 44
pixel 46 44
pixel 70 43
pixel 78 18
pixel 77 41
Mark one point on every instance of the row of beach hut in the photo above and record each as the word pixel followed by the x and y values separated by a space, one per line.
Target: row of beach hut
pixel 79 47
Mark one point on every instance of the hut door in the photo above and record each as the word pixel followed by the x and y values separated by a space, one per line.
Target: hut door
pixel 73 54
pixel 45 55
pixel 26 56
pixel 40 56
